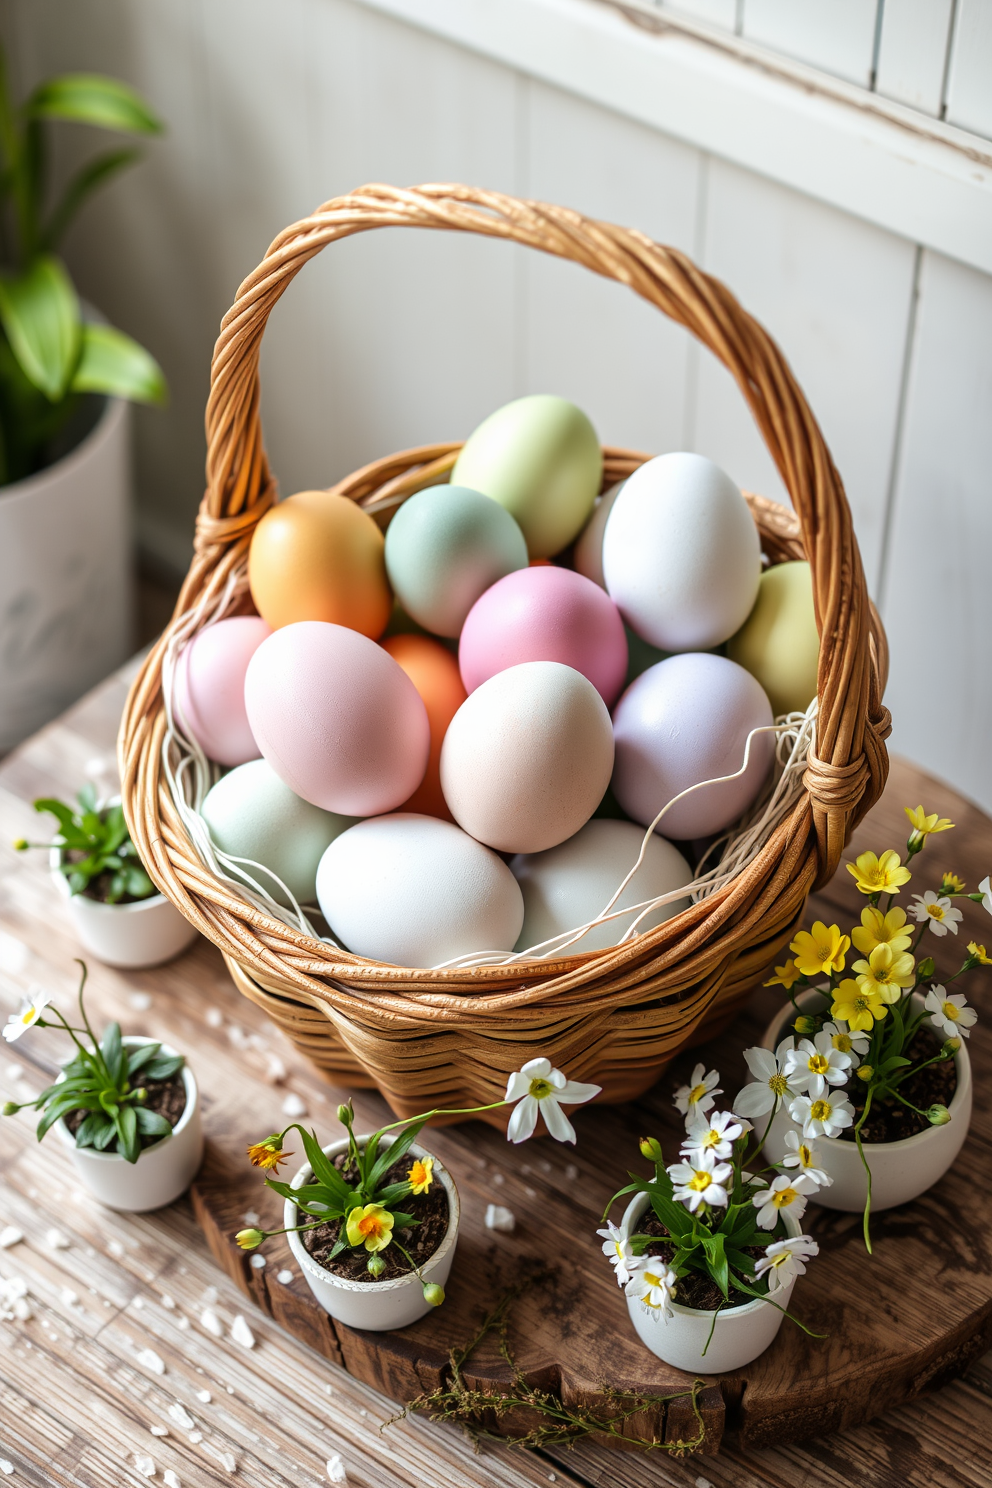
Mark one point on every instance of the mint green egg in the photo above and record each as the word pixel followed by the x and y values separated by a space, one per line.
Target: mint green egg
pixel 252 814
pixel 778 642
pixel 444 548
pixel 539 457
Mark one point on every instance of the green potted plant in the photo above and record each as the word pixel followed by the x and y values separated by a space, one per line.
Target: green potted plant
pixel 66 378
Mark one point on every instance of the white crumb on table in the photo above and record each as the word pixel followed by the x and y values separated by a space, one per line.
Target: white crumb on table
pixel 205 1396
pixel 10 1235
pixel 149 1359
pixel 181 1416
pixel 498 1218
pixel 214 1017
pixel 241 1333
pixel 145 1466
pixel 257 1262
pixel 55 1240
pixel 140 1001
pixel 336 1470
pixel 212 1322
pixel 284 1276
pixel 293 1105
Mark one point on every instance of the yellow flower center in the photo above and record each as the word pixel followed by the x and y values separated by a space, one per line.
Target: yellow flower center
pixel 883 973
pixel 820 1110
pixel 784 1197
pixel 700 1180
pixel 371 1225
pixel 842 1041
pixel 861 1004
pixel 819 1064
pixel 805 1156
pixel 696 1094
pixel 935 911
pixel 540 1089
pixel 950 1011
pixel 28 1017
pixel 778 1085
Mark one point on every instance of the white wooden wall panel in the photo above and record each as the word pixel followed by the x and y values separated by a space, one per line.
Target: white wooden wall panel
pixel 722 13
pixel 937 603
pixel 835 35
pixel 912 52
pixel 835 293
pixel 969 83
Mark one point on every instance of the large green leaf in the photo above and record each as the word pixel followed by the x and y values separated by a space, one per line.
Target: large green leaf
pixel 89 98
pixel 392 1154
pixel 113 363
pixel 39 312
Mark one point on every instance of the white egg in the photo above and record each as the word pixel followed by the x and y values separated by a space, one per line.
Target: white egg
pixel 415 891
pixel 589 543
pixel 571 884
pixel 252 814
pixel 681 554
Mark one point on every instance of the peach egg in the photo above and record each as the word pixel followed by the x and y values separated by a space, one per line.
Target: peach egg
pixel 434 673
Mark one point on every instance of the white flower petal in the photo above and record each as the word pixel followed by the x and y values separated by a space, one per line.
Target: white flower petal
pixel 754 1100
pixel 556 1121
pixel 573 1093
pixel 517 1086
pixel 537 1069
pixel 523 1120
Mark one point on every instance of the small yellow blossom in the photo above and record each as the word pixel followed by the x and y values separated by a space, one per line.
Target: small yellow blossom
pixel 248 1239
pixel 882 875
pixel 878 929
pixel 266 1154
pixel 371 1227
pixel 886 972
pixel 979 952
pixel 421 1175
pixel 923 825
pixel 785 976
pixel 820 951
pixel 951 884
pixel 859 1007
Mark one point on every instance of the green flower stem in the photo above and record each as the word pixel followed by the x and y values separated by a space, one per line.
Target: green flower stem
pixel 861 1153
pixel 749 1157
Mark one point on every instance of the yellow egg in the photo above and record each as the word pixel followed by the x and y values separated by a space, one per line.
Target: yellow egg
pixel 318 556
pixel 778 642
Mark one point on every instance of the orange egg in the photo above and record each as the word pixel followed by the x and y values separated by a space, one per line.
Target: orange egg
pixel 317 556
pixel 434 673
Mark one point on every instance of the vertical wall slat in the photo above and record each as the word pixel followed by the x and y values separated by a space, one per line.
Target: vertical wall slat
pixel 835 35
pixel 912 52
pixel 969 82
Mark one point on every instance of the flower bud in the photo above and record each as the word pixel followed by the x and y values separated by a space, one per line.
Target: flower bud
pixel 141 1093
pixel 21 845
pixel 345 1114
pixel 433 1293
pixel 925 968
pixel 10 1108
pixel 804 1025
pixel 938 1115
pixel 951 1046
pixel 865 1072
pixel 375 1265
pixel 651 1149
pixel 248 1239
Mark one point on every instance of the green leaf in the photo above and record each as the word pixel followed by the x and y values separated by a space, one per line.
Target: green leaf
pixel 323 1169
pixel 62 813
pixel 39 312
pixel 717 1261
pixel 676 1220
pixel 138 1056
pixel 392 1193
pixel 164 1067
pixel 82 185
pixel 112 1050
pixel 59 1107
pixel 404 1221
pixel 113 363
pixel 139 885
pixel 103 1140
pixel 338 1247
pixel 151 1124
pixel 126 1121
pixel 394 1152
pixel 89 98
pixel 91 1127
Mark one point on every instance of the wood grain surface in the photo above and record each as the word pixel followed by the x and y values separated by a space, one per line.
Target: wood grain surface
pixel 77 1395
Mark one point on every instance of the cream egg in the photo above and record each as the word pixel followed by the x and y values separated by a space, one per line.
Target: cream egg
pixel 588 554
pixel 415 891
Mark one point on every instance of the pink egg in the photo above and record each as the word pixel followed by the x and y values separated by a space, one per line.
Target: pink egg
pixel 545 614
pixel 209 699
pixel 337 718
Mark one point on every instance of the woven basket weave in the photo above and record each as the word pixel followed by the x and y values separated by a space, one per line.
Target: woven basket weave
pixel 617 1016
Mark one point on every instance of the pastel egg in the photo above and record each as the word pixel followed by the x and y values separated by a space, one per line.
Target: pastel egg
pixel 527 757
pixel 683 722
pixel 778 642
pixel 318 556
pixel 252 814
pixel 539 457
pixel 337 718
pixel 545 614
pixel 434 673
pixel 589 544
pixel 681 554
pixel 209 697
pixel 444 547
pixel 415 891
pixel 571 884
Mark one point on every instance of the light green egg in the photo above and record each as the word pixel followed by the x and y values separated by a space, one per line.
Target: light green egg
pixel 444 548
pixel 252 814
pixel 539 457
pixel 778 642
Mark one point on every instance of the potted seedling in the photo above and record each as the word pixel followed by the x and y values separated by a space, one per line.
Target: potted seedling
pixel 127 1108
pixel 65 377
pixel 373 1219
pixel 115 909
pixel 874 1061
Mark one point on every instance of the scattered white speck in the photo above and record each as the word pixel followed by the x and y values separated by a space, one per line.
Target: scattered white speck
pixel 293 1106
pixel 115 1248
pixel 336 1470
pixel 228 1462
pixel 182 1323
pixel 32 1193
pixel 140 1001
pixel 6 1467
pixel 10 1235
pixel 169 1479
pixel 145 1466
pixel 149 1359
pixel 159 1430
pixel 530 1192
pixel 284 1276
pixel 498 1179
pixel 703 1483
pixel 138 1302
pixel 552 1478
pixel 211 1294
pixel 230 1389
pixel 168 1302
pixel 257 1262
pixel 55 1240
pixel 241 1333
pixel 498 1218
pixel 214 1017
pixel 14 1071
pixel 258 1042
pixel 212 1322
pixel 205 1396
pixel 69 1297
pixel 250 1218
pixel 196 1437
pixel 544 1165
pixel 14 1299
pixel 181 1416
pixel 239 1039
pixel 363 1412
pixel 275 1070
pixel 571 1172
pixel 14 954
pixel 101 764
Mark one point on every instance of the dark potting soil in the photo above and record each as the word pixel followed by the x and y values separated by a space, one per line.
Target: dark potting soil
pixel 890 1121
pixel 420 1240
pixel 166 1097
pixel 697 1288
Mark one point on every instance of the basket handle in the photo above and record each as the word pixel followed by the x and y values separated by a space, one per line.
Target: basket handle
pixel 853 724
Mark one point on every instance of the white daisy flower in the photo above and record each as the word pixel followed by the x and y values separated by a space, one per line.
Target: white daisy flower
pixel 30 1011
pixel 802 1155
pixel 703 1181
pixel 654 1287
pixel 699 1095
pixel 785 1192
pixel 616 1248
pixel 538 1087
pixel 784 1261
pixel 714 1133
pixel 985 889
pixel 940 912
pixel 951 1014
pixel 824 1115
pixel 848 1041
pixel 771 1082
pixel 815 1064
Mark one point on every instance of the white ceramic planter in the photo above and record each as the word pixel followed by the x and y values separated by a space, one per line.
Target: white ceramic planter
pixel 740 1334
pixel 65 577
pixel 125 935
pixel 163 1171
pixel 900 1171
pixel 375 1305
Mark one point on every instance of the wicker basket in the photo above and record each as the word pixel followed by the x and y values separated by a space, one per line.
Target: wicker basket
pixel 616 1016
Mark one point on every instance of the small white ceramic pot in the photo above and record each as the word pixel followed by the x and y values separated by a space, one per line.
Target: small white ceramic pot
pixel 900 1171
pixel 740 1334
pixel 375 1305
pixel 163 1171
pixel 126 935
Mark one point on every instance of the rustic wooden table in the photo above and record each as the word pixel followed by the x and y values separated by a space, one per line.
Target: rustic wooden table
pixel 79 1403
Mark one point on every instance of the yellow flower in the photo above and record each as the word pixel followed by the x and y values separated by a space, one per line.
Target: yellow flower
pixel 785 976
pixel 857 1006
pixel 923 825
pixel 371 1226
pixel 886 972
pixel 421 1175
pixel 820 951
pixel 980 954
pixel 879 875
pixel 267 1154
pixel 878 929
pixel 248 1239
pixel 951 884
